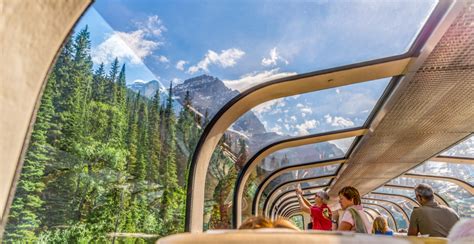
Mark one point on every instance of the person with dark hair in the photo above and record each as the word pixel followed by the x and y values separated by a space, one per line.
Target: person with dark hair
pixel 430 218
pixel 354 217
pixel 320 213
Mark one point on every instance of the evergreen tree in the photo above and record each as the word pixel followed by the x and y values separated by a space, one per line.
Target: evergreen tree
pixel 121 89
pixel 26 208
pixel 111 83
pixel 155 141
pixel 99 83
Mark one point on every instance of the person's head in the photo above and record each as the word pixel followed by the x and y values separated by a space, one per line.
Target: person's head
pixel 256 222
pixel 321 197
pixel 379 225
pixel 424 193
pixel 349 196
pixel 285 224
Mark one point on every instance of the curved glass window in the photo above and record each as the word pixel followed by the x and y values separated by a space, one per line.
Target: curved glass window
pixel 407 205
pixel 402 222
pixel 299 175
pixel 464 149
pixel 298 221
pixel 292 194
pixel 459 199
pixel 463 172
pixel 382 212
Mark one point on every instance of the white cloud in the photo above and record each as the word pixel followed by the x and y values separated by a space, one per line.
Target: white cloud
pixel 265 107
pixel 139 81
pixel 227 58
pixel 131 46
pixel 176 81
pixel 163 59
pixel 248 80
pixel 307 110
pixel 338 91
pixel 273 59
pixel 338 121
pixel 299 105
pixel 303 129
pixel 180 65
pixel 277 129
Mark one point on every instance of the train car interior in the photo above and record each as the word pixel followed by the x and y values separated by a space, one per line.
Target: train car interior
pixel 237 121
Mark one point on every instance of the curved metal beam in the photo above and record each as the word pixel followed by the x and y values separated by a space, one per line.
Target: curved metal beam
pixel 285 201
pixel 284 196
pixel 369 214
pixel 287 209
pixel 285 144
pixel 270 195
pixel 284 87
pixel 404 213
pixel 465 185
pixel 296 213
pixel 388 211
pixel 411 200
pixel 372 209
pixel 452 159
pixel 438 197
pixel 281 171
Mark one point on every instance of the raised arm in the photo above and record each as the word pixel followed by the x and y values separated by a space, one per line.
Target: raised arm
pixel 305 205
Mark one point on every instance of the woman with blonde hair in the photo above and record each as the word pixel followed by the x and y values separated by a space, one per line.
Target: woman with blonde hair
pixel 380 227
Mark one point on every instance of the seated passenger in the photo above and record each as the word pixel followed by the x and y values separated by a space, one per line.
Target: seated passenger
pixel 430 218
pixel 259 222
pixel 354 217
pixel 320 213
pixel 380 227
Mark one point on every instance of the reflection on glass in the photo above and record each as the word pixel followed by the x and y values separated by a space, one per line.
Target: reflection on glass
pixel 465 149
pixel 463 172
pixel 293 186
pixel 459 199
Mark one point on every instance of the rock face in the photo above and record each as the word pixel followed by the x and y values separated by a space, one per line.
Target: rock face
pixel 147 89
pixel 208 95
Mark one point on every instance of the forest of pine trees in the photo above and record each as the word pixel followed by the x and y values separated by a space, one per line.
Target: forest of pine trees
pixel 103 159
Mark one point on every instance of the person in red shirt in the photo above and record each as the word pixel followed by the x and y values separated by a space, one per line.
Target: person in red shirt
pixel 320 213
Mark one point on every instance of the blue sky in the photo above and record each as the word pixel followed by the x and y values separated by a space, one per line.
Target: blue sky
pixel 246 42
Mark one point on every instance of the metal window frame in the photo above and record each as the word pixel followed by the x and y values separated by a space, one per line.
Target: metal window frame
pixel 388 211
pixel 463 184
pixel 401 210
pixel 270 195
pixel 438 197
pixel 275 174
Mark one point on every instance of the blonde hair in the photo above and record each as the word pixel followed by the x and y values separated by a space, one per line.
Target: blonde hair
pixel 379 225
pixel 258 222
